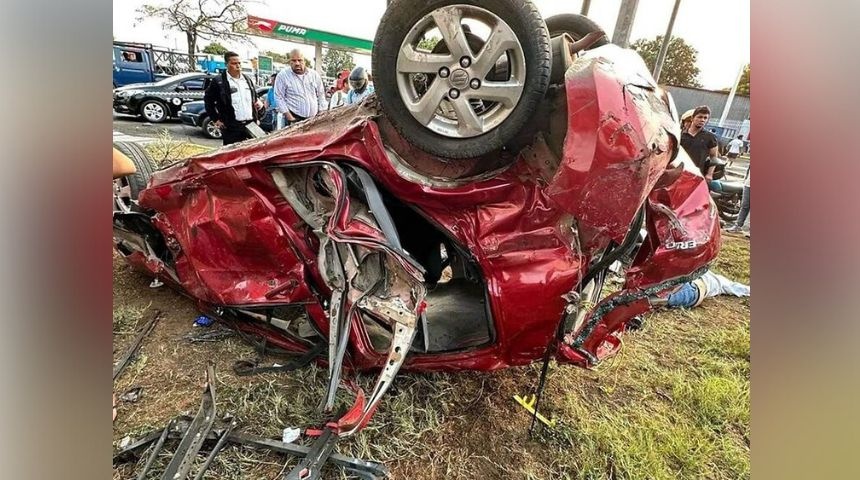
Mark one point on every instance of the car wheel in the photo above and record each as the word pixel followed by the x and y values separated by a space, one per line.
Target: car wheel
pixel 728 217
pixel 209 128
pixel 577 26
pixel 127 188
pixel 153 111
pixel 456 104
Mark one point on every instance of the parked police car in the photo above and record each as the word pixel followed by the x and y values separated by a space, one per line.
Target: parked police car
pixel 156 102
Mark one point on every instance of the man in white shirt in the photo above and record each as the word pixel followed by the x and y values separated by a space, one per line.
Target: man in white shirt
pixel 299 91
pixel 231 101
pixel 735 147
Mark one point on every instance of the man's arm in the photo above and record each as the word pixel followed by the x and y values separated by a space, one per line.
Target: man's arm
pixel 210 100
pixel 122 165
pixel 280 87
pixel 712 155
pixel 321 93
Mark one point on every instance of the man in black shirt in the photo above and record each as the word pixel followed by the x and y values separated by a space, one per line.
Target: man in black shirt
pixel 700 144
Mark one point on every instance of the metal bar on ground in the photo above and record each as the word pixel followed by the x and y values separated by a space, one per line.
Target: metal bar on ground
pixel 354 465
pixel 155 450
pixel 135 344
pixel 183 459
pixel 310 468
pixel 222 440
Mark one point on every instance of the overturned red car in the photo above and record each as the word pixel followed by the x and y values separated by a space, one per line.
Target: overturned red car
pixel 462 218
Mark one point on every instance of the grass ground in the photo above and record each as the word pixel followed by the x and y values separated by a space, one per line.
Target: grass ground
pixel 674 404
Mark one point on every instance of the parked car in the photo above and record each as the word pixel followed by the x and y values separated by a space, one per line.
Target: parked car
pixel 159 101
pixel 464 217
pixel 194 114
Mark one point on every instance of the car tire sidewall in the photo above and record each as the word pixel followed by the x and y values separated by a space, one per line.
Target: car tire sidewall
pixel 143 164
pixel 524 20
pixel 164 108
pixel 205 125
pixel 575 25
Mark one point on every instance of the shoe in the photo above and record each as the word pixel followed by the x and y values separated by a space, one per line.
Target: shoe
pixel 733 229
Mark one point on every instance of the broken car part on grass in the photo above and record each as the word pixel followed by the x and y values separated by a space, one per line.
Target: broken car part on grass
pixel 195 432
pixel 339 231
pixel 126 358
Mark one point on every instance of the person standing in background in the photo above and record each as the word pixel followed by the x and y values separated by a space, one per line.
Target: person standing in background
pixel 735 148
pixel 299 91
pixel 231 101
pixel 745 208
pixel 338 97
pixel 700 144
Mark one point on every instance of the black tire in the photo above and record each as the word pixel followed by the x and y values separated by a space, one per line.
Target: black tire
pixel 577 26
pixel 209 129
pixel 728 217
pixel 524 20
pixel 143 165
pixel 154 105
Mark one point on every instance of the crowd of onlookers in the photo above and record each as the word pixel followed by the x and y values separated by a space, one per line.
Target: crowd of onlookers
pixel 296 94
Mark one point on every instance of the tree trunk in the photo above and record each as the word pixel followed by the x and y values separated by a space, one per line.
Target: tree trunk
pixel 191 37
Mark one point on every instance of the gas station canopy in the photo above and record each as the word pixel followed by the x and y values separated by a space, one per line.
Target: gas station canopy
pixel 264 27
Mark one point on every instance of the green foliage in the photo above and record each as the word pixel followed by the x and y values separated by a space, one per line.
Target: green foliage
pixel 428 44
pixel 679 68
pixel 744 84
pixel 278 57
pixel 335 61
pixel 215 48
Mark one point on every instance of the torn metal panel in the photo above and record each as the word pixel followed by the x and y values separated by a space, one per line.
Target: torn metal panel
pixel 683 232
pixel 365 267
pixel 620 137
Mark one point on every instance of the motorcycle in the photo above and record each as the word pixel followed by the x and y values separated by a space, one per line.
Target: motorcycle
pixel 727 195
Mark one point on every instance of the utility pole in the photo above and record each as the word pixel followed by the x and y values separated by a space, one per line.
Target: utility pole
pixel 586 4
pixel 731 96
pixel 624 24
pixel 661 57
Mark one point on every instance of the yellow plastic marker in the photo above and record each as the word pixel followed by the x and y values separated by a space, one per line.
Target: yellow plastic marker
pixel 530 406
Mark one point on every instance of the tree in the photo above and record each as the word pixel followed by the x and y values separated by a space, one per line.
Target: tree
pixel 335 61
pixel 744 84
pixel 278 57
pixel 215 48
pixel 679 68
pixel 200 19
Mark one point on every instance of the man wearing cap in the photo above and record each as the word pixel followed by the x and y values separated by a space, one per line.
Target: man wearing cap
pixel 700 144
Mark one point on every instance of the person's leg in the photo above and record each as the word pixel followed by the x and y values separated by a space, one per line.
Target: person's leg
pixel 234 133
pixel 745 208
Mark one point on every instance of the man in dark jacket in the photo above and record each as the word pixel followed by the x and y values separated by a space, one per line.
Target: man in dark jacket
pixel 231 101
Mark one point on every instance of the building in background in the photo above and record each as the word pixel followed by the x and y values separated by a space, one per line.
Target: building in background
pixel 737 121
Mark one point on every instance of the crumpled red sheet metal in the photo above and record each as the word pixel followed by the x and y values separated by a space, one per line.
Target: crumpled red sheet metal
pixel 236 240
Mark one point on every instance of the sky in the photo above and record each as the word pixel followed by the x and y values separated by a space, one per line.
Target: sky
pixel 720 31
